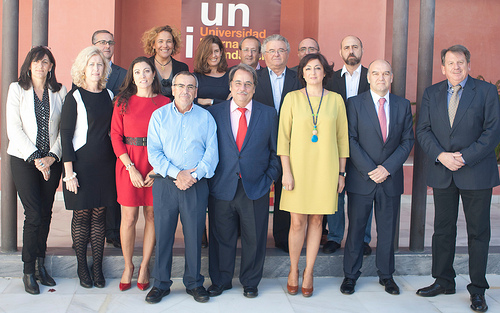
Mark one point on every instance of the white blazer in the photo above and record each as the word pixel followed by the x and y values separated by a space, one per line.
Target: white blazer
pixel 21 121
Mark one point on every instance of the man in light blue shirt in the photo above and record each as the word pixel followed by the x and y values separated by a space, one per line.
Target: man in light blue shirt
pixel 182 148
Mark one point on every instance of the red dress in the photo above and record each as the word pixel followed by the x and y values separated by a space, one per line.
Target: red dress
pixel 133 123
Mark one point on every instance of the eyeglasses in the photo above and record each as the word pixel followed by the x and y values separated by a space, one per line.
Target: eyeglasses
pixel 280 51
pixel 182 86
pixel 309 49
pixel 239 83
pixel 104 42
pixel 247 50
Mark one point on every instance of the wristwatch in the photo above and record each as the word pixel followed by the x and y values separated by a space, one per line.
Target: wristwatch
pixel 342 174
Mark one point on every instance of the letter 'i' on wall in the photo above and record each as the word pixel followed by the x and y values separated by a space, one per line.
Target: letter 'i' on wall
pixel 189 42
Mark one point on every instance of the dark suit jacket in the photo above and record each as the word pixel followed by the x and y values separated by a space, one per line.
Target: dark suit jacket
pixel 337 83
pixel 116 78
pixel 475 134
pixel 368 150
pixel 257 162
pixel 264 91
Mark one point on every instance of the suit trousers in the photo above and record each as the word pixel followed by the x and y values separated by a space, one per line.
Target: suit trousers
pixel 476 204
pixel 336 223
pixel 281 219
pixel 169 202
pixel 37 197
pixel 386 214
pixel 225 217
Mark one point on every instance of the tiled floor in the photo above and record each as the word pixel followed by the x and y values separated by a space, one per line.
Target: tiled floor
pixel 369 297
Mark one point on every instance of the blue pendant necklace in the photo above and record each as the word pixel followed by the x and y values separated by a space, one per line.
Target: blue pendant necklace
pixel 314 137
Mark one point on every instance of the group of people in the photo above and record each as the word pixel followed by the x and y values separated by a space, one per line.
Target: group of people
pixel 176 142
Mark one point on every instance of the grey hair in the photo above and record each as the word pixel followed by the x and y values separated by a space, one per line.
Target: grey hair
pixel 186 73
pixel 275 37
pixel 243 67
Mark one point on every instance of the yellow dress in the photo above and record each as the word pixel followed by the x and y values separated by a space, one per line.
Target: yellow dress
pixel 314 165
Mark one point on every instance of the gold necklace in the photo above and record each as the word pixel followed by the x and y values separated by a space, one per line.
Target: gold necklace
pixel 163 65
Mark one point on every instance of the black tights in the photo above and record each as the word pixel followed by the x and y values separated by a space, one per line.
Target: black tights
pixel 89 223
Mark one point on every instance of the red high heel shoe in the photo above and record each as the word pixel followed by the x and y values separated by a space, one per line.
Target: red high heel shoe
pixel 126 286
pixel 142 286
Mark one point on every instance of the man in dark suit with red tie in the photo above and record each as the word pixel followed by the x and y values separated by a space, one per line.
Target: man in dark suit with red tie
pixel 239 190
pixel 459 128
pixel 380 140
pixel 275 81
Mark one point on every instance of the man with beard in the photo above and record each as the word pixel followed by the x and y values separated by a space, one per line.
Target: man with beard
pixel 348 82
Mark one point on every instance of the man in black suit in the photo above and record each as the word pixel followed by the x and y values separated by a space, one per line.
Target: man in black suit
pixel 459 128
pixel 275 81
pixel 239 190
pixel 104 40
pixel 349 81
pixel 380 140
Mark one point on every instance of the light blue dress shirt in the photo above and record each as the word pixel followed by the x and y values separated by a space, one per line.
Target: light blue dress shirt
pixel 277 83
pixel 179 141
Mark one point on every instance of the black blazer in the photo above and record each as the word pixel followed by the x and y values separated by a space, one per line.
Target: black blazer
pixel 475 134
pixel 368 150
pixel 116 78
pixel 257 161
pixel 337 83
pixel 177 67
pixel 264 91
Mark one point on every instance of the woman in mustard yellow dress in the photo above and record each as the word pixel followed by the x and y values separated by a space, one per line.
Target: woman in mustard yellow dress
pixel 313 145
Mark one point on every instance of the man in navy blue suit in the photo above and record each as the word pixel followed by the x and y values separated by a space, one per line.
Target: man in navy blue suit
pixel 239 190
pixel 458 129
pixel 380 140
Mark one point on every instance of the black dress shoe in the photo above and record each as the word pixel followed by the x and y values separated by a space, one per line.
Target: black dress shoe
pixel 30 284
pixel 390 285
pixel 478 303
pixel 115 242
pixel 281 245
pixel 347 286
pixel 99 280
pixel 250 292
pixel 41 273
pixel 367 250
pixel 330 247
pixel 199 294
pixel 156 294
pixel 434 290
pixel 216 290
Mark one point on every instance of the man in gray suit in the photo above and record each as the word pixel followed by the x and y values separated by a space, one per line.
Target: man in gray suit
pixel 459 128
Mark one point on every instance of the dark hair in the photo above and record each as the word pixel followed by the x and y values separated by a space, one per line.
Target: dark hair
pixel 36 54
pixel 317 44
pixel 249 37
pixel 456 48
pixel 243 67
pixel 328 69
pixel 101 31
pixel 129 88
pixel 204 51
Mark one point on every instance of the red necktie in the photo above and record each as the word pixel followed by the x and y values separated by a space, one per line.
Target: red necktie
pixel 381 118
pixel 242 129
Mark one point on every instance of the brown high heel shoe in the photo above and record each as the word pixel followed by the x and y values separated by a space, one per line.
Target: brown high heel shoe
pixel 306 292
pixel 292 290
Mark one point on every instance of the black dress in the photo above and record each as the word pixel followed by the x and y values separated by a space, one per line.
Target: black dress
pixel 216 88
pixel 94 162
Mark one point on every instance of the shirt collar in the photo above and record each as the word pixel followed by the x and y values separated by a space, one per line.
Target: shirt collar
pixel 177 111
pixel 376 97
pixel 273 74
pixel 462 83
pixel 344 70
pixel 233 106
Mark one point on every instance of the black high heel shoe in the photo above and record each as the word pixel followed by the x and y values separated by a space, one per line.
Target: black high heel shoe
pixel 99 280
pixel 84 276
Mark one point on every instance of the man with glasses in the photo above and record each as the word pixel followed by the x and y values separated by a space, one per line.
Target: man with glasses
pixel 250 51
pixel 306 46
pixel 239 190
pixel 104 40
pixel 275 81
pixel 182 148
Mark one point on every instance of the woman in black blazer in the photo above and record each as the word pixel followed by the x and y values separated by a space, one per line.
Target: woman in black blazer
pixel 162 42
pixel 34 105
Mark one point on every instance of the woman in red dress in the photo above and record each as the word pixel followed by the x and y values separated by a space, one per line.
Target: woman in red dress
pixel 138 98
